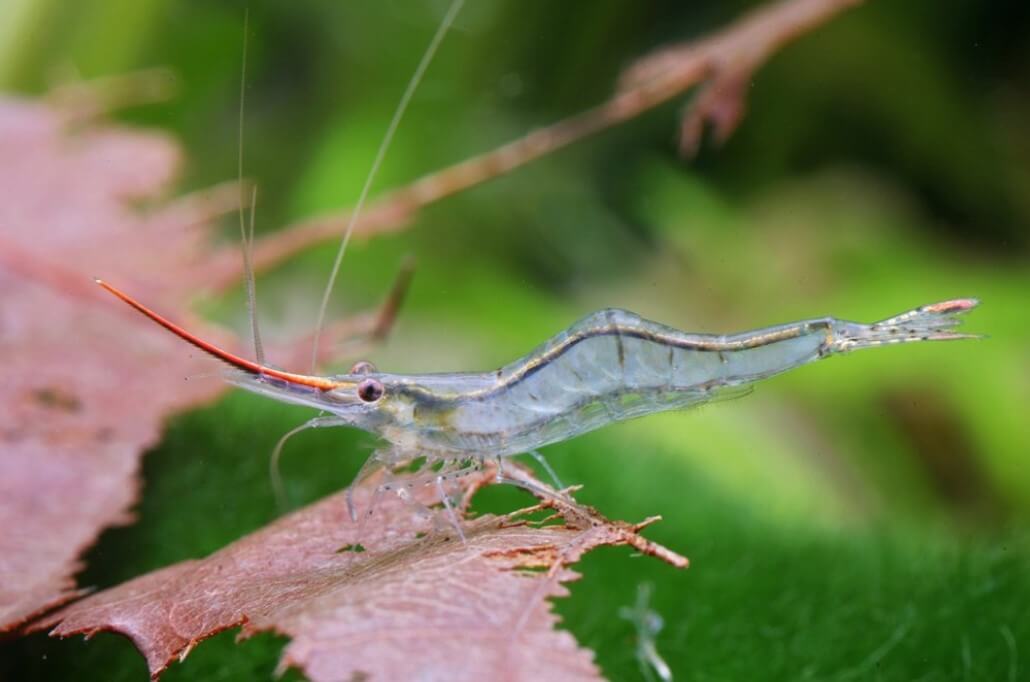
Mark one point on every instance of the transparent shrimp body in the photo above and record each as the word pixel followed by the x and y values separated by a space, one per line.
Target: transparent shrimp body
pixel 610 366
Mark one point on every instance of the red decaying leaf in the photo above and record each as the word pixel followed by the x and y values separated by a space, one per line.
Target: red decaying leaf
pixel 86 385
pixel 87 382
pixel 416 604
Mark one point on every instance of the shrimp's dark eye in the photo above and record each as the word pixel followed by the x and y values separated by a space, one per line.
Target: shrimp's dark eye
pixel 370 390
pixel 363 367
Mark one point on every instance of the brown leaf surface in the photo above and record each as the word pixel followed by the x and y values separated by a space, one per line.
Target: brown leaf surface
pixel 87 382
pixel 417 604
pixel 86 385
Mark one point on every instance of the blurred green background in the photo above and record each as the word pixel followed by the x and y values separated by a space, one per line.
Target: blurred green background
pixel 860 518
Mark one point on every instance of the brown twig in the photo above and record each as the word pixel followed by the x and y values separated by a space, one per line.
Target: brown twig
pixel 730 58
pixel 394 300
pixel 87 100
pixel 355 335
pixel 724 59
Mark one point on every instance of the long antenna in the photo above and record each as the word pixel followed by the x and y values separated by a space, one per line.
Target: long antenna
pixel 248 239
pixel 416 78
pixel 243 364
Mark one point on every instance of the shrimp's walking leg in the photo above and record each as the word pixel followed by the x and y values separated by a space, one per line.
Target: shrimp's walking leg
pixel 377 495
pixel 403 487
pixel 542 461
pixel 278 488
pixel 452 517
pixel 373 464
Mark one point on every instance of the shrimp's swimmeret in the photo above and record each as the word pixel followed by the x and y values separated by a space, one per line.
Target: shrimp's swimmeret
pixel 609 366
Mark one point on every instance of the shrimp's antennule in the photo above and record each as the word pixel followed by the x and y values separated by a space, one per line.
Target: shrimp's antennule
pixel 225 356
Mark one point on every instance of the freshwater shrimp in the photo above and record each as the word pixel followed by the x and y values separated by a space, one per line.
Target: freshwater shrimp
pixel 610 366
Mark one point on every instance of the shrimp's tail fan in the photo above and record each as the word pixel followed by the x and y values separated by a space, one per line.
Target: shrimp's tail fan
pixel 933 322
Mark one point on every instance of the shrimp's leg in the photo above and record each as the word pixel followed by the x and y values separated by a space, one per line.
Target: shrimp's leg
pixel 377 494
pixel 403 486
pixel 542 461
pixel 390 484
pixel 452 517
pixel 373 464
pixel 278 488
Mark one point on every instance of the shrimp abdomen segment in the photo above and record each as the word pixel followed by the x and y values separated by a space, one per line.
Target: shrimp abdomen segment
pixel 615 365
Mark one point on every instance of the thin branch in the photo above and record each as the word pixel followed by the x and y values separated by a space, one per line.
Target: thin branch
pixel 87 100
pixel 731 57
pixel 654 80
